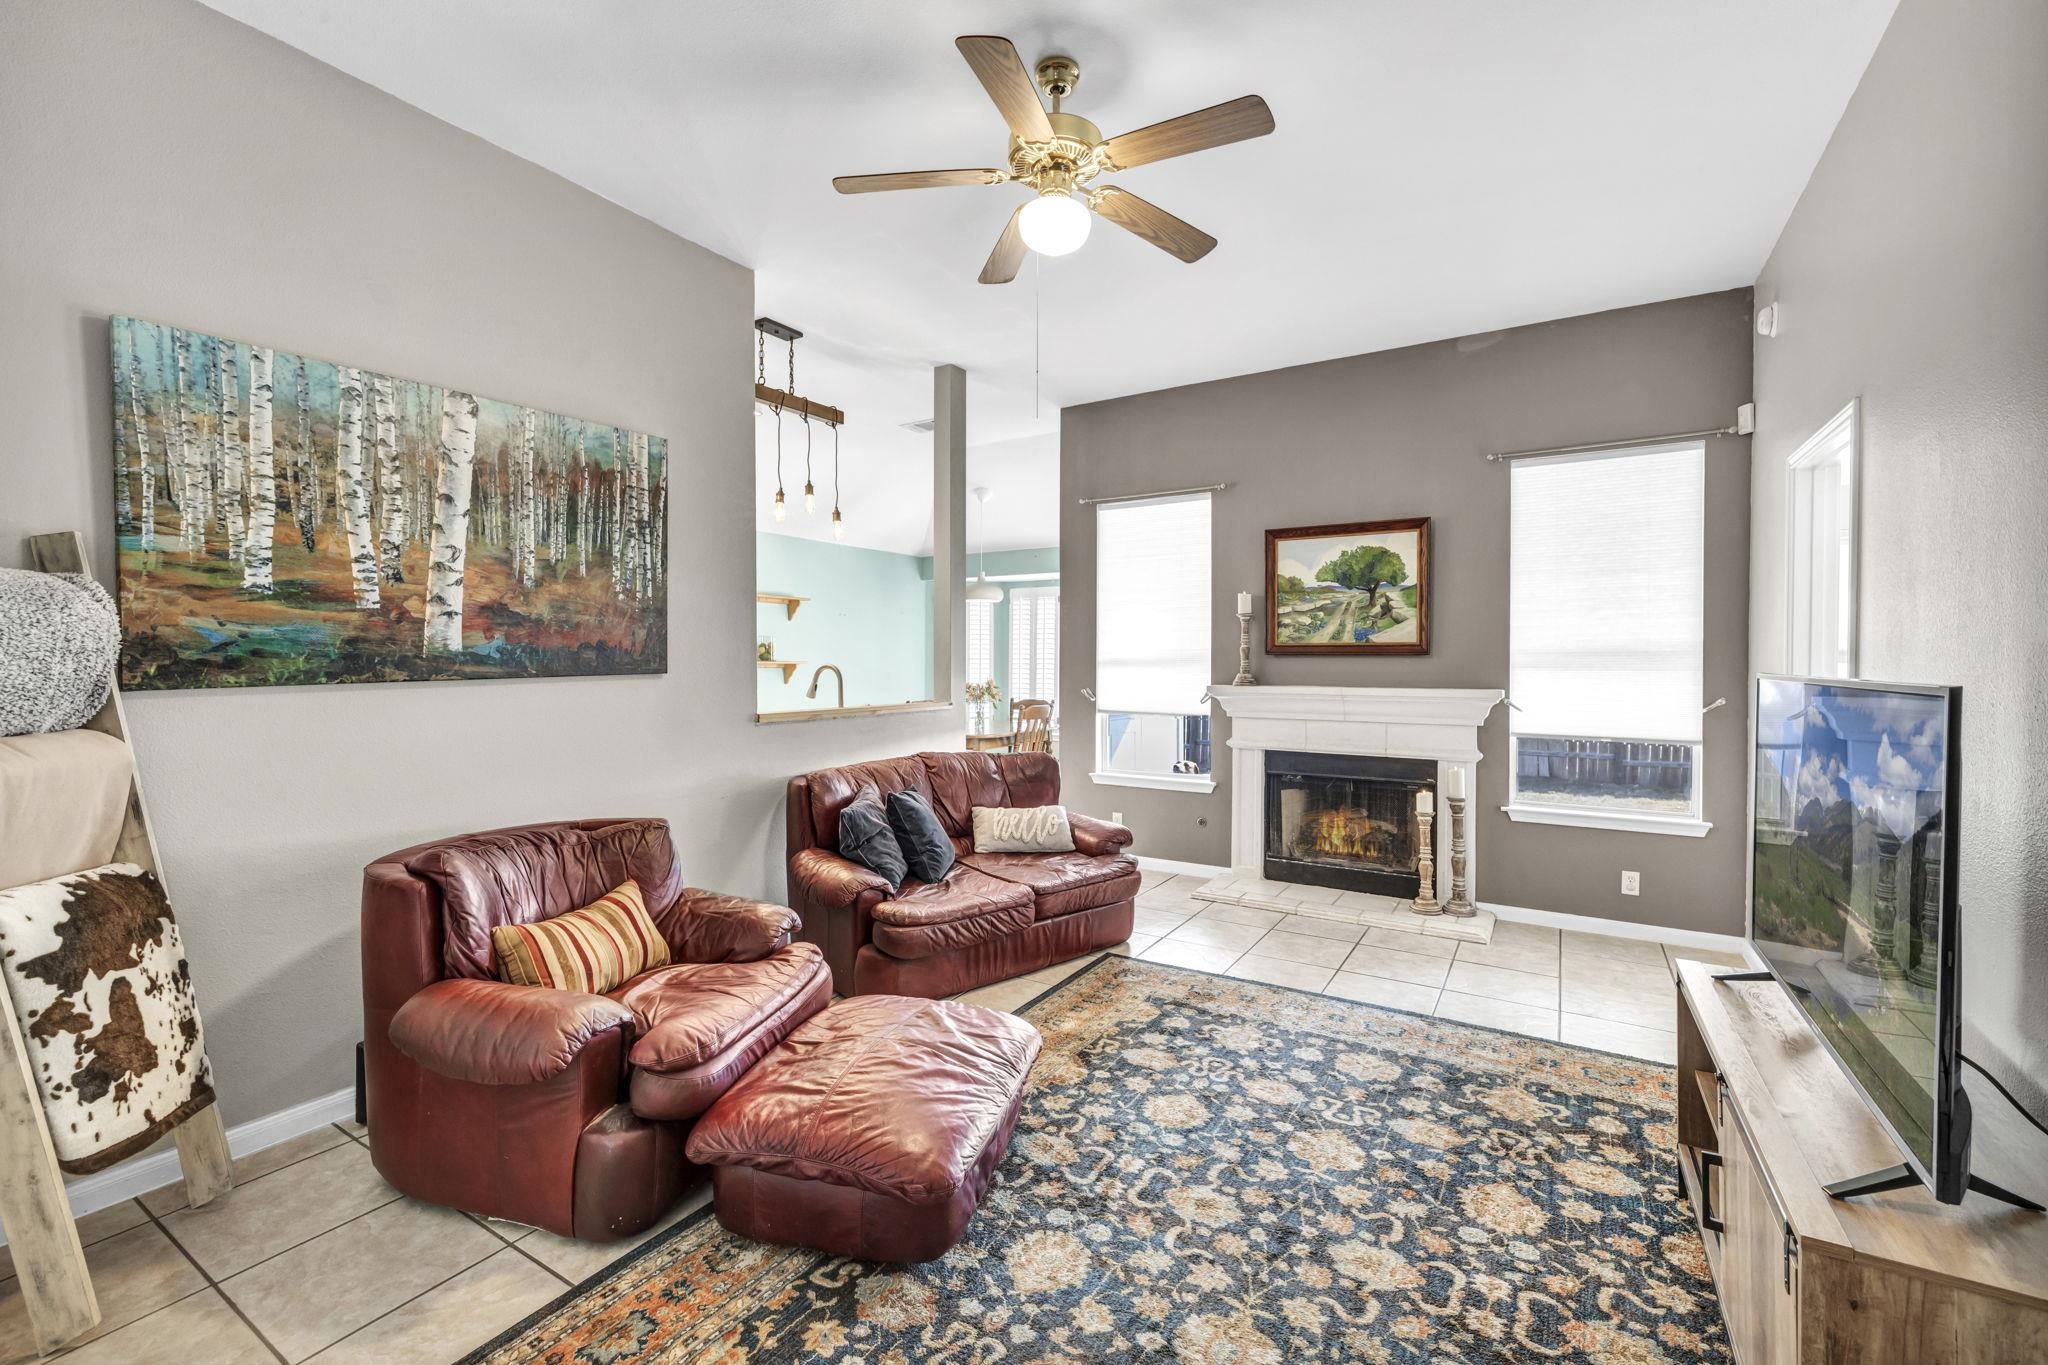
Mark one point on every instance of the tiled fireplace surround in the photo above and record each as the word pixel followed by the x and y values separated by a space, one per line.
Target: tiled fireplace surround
pixel 1440 724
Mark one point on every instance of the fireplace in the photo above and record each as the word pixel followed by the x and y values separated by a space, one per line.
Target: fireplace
pixel 1345 820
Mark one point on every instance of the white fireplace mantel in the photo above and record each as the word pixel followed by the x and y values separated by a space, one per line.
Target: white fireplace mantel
pixel 1439 723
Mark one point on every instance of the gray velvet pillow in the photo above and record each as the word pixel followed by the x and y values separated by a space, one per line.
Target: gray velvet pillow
pixel 866 837
pixel 925 845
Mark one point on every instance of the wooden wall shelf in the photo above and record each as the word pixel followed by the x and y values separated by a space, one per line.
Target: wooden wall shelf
pixel 1765 1119
pixel 788 604
pixel 788 666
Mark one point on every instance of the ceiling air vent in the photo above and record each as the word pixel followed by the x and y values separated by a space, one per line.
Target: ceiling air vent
pixel 924 427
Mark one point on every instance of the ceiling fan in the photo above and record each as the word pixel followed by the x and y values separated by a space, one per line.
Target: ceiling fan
pixel 1059 155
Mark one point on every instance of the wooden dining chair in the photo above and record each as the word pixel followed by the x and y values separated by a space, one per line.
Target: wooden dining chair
pixel 1031 726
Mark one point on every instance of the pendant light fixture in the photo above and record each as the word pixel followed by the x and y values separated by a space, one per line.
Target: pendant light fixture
pixel 981 590
pixel 780 508
pixel 809 411
pixel 838 524
pixel 810 493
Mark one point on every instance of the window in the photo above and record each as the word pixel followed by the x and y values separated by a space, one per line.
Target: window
pixel 1152 628
pixel 1606 577
pixel 981 641
pixel 1035 644
pixel 1820 572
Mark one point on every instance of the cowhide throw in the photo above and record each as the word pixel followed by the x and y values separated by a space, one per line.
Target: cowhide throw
pixel 1022 829
pixel 97 973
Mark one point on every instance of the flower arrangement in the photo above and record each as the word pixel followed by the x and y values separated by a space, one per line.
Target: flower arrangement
pixel 981 705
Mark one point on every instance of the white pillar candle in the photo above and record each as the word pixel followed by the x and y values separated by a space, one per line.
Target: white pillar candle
pixel 1244 604
pixel 1454 785
pixel 1422 803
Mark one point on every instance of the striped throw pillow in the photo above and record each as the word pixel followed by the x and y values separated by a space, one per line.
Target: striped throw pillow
pixel 597 949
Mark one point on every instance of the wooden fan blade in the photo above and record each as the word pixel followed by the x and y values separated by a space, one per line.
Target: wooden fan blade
pixel 1001 72
pixel 1008 257
pixel 915 180
pixel 1153 223
pixel 1217 126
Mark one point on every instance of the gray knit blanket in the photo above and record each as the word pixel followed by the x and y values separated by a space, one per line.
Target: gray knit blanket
pixel 60 638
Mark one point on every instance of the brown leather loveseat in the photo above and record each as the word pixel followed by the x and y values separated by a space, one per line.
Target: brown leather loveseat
pixel 559 1108
pixel 995 915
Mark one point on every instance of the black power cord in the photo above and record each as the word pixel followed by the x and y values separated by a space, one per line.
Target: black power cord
pixel 1999 1086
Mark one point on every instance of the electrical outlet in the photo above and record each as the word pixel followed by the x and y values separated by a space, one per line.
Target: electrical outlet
pixel 1631 883
pixel 1116 817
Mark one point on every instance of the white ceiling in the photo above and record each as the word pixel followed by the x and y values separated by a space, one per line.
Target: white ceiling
pixel 1441 167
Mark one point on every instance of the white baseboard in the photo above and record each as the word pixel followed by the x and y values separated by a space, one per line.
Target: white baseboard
pixel 1588 924
pixel 1173 865
pixel 141 1174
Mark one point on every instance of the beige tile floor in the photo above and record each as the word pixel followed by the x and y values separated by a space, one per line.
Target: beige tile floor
pixel 1593 990
pixel 315 1258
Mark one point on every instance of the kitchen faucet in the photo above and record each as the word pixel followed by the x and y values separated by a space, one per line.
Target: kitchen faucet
pixel 812 694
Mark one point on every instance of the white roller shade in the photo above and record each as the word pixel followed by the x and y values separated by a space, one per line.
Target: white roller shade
pixel 1606 576
pixel 1152 605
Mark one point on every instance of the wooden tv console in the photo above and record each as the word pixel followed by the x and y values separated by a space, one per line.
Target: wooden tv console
pixel 1766 1118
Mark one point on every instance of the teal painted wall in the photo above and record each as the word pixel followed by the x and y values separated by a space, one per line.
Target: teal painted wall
pixel 870 613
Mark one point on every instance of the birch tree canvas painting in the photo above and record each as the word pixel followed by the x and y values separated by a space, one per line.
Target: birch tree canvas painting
pixel 288 520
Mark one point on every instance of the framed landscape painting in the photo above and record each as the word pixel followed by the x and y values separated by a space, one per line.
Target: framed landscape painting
pixel 288 520
pixel 1361 588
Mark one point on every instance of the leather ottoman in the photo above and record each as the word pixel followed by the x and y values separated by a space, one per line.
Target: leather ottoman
pixel 872 1130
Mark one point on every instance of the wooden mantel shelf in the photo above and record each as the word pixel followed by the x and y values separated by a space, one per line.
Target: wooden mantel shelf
pixel 788 666
pixel 787 603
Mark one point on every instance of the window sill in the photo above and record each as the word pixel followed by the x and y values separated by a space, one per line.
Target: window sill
pixel 1591 817
pixel 1166 782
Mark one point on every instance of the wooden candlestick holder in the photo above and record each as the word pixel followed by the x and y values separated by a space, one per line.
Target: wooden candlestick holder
pixel 1459 904
pixel 1244 676
pixel 1425 902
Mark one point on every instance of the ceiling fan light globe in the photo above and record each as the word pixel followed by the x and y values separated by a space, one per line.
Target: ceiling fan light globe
pixel 1054 224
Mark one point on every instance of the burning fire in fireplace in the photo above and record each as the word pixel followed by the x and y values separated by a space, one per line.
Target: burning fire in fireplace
pixel 1347 834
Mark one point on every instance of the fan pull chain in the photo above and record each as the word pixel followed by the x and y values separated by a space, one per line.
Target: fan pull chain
pixel 1035 315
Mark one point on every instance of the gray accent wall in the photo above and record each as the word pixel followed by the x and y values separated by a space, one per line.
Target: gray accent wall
pixel 162 160
pixel 1914 275
pixel 1405 433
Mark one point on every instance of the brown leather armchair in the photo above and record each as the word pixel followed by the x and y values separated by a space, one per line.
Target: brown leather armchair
pixel 560 1109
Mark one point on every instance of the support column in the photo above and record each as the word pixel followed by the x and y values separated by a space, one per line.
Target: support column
pixel 949 534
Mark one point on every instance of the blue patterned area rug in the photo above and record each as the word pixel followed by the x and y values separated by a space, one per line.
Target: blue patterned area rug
pixel 1211 1170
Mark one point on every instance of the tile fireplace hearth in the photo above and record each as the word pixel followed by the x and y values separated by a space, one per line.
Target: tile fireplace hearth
pixel 1324 783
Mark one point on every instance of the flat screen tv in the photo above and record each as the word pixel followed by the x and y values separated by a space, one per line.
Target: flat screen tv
pixel 1853 900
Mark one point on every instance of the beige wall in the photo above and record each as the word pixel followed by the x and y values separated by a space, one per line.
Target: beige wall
pixel 1403 433
pixel 1914 275
pixel 161 160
